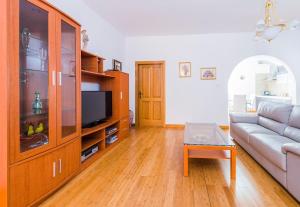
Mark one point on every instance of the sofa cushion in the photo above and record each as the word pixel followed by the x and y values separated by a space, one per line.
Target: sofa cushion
pixel 243 130
pixel 276 111
pixel 272 125
pixel 295 117
pixel 270 146
pixel 292 133
pixel 249 118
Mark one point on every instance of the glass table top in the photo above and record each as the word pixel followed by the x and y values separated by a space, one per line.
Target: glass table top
pixel 206 135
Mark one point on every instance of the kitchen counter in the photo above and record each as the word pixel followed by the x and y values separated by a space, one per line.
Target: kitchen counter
pixel 277 99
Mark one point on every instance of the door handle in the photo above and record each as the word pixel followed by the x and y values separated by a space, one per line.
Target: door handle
pixel 59 79
pixel 54 169
pixel 121 95
pixel 53 78
pixel 140 94
pixel 60 165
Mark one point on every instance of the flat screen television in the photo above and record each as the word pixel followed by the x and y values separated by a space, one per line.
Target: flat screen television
pixel 96 107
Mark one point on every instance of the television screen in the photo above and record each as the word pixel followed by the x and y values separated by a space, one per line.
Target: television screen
pixel 96 107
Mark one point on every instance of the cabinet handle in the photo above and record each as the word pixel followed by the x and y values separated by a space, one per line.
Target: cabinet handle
pixel 60 166
pixel 53 78
pixel 54 169
pixel 59 79
pixel 121 95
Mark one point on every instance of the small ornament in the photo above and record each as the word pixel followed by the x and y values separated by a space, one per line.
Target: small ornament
pixel 30 131
pixel 37 104
pixel 85 39
pixel 40 128
pixel 25 38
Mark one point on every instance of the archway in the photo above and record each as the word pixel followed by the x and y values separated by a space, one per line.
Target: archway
pixel 260 78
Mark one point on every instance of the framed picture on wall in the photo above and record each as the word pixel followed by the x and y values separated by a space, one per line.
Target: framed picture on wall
pixel 185 69
pixel 117 65
pixel 208 73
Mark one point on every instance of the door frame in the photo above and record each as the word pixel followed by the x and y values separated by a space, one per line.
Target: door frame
pixel 137 64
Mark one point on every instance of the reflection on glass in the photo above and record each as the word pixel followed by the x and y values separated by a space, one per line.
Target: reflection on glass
pixel 68 69
pixel 33 59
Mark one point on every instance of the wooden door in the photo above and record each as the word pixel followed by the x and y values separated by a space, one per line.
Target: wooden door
pixel 68 76
pixel 31 180
pixel 32 78
pixel 68 160
pixel 150 93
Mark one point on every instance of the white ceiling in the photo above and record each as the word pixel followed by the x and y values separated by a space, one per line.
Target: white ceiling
pixel 176 17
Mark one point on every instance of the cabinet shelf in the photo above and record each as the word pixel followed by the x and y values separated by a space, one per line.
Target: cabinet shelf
pixel 30 115
pixel 103 75
pixel 113 133
pixel 87 143
pixel 35 70
pixel 88 131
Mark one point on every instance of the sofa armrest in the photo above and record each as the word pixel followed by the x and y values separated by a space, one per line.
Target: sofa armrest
pixel 291 147
pixel 292 151
pixel 249 118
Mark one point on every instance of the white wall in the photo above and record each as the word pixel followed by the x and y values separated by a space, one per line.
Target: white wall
pixel 191 99
pixel 105 40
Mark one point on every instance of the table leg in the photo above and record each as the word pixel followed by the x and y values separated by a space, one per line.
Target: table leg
pixel 233 163
pixel 186 161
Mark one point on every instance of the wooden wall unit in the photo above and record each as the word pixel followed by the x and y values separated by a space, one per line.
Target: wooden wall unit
pixel 118 83
pixel 44 115
pixel 42 139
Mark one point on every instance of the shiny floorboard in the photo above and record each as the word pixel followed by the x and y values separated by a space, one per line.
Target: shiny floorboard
pixel 146 169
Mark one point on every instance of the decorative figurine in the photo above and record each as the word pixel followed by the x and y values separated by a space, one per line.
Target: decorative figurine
pixel 30 131
pixel 25 38
pixel 85 39
pixel 40 128
pixel 37 104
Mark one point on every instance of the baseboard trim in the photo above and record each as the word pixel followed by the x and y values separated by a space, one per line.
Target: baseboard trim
pixel 224 127
pixel 182 126
pixel 175 126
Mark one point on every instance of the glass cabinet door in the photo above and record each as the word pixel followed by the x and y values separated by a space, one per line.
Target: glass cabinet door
pixel 68 81
pixel 34 77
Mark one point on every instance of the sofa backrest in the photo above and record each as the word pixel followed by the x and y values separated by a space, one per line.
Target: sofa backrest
pixel 274 116
pixel 293 129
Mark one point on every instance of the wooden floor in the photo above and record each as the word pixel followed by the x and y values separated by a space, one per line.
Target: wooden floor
pixel 147 170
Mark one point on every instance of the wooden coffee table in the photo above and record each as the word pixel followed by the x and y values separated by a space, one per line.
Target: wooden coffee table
pixel 208 141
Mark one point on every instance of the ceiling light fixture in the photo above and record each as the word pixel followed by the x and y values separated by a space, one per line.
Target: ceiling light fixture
pixel 269 28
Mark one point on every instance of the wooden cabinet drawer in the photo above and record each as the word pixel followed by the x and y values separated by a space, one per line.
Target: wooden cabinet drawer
pixel 32 180
pixel 29 181
pixel 69 156
pixel 124 123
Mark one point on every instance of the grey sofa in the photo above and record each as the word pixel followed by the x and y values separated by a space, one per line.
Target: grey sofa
pixel 272 138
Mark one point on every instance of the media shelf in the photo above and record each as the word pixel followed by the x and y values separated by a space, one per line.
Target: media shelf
pixel 113 133
pixel 97 141
pixel 96 137
pixel 91 140
pixel 87 131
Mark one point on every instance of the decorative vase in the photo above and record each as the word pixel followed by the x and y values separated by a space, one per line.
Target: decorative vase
pixel 85 39
pixel 37 104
